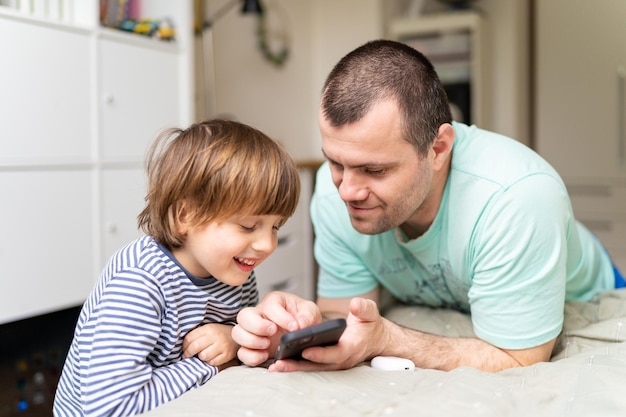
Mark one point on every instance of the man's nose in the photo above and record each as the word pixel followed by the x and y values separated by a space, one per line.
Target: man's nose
pixel 351 187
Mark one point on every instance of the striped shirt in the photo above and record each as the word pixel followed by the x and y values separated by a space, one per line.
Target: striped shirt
pixel 126 356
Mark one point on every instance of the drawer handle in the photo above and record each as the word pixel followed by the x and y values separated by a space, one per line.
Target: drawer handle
pixel 621 128
pixel 283 240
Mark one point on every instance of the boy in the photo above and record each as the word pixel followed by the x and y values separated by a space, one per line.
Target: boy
pixel 158 322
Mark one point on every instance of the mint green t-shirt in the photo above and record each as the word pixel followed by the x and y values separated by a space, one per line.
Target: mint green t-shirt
pixel 504 246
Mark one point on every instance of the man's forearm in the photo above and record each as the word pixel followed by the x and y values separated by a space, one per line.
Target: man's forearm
pixel 438 352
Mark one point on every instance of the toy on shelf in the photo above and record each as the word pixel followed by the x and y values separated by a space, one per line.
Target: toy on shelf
pixel 160 29
pixel 123 15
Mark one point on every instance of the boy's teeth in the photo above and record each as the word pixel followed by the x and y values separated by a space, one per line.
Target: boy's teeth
pixel 244 261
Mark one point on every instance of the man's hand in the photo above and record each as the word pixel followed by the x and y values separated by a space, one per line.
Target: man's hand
pixel 212 343
pixel 368 334
pixel 260 328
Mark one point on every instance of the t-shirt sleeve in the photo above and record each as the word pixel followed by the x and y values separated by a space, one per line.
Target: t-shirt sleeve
pixel 341 271
pixel 519 262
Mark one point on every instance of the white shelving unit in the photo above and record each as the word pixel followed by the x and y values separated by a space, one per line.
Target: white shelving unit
pixel 80 104
pixel 429 27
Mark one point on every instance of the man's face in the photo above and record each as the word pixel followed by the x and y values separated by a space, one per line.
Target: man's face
pixel 379 175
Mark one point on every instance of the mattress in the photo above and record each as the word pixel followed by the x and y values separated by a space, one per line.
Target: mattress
pixel 585 377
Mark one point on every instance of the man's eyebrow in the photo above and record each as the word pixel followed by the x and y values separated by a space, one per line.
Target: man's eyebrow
pixel 363 165
pixel 331 160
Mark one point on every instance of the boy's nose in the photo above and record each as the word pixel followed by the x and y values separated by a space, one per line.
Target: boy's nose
pixel 265 242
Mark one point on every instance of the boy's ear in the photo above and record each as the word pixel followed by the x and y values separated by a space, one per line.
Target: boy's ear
pixel 181 217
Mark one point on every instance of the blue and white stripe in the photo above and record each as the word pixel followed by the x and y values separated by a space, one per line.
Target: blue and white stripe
pixel 126 356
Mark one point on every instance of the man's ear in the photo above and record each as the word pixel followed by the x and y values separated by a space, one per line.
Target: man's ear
pixel 442 146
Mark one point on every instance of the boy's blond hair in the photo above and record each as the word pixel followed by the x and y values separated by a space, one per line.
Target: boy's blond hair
pixel 212 171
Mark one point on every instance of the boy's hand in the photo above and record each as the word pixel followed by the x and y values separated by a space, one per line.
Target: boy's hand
pixel 259 328
pixel 211 343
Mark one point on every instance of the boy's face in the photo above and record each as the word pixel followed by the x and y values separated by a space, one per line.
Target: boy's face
pixel 228 250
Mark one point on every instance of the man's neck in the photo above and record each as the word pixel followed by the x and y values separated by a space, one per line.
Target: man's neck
pixel 423 218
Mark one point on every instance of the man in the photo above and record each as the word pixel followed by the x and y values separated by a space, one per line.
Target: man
pixel 438 213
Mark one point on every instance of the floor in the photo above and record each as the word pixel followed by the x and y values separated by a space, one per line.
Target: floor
pixel 32 353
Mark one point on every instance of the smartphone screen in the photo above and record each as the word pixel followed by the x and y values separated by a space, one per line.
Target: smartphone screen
pixel 324 334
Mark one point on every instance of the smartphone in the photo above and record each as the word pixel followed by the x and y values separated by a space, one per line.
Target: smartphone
pixel 324 334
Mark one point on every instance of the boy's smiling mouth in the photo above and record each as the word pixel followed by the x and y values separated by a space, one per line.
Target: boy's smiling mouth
pixel 247 262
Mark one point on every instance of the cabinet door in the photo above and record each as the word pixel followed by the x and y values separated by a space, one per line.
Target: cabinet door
pixel 123 192
pixel 46 250
pixel 45 100
pixel 602 208
pixel 580 109
pixel 138 96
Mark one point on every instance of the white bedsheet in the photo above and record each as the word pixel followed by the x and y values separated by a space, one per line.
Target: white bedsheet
pixel 586 377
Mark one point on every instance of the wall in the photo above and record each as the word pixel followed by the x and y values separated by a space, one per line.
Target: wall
pixel 338 27
pixel 283 101
pixel 508 26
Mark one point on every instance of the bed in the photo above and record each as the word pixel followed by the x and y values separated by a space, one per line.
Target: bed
pixel 586 377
